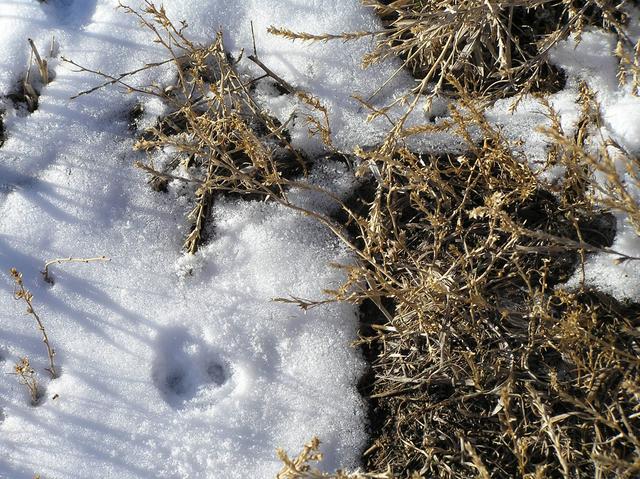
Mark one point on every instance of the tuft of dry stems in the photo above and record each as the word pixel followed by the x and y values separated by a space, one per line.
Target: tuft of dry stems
pixel 302 466
pixel 27 377
pixel 492 49
pixel 20 293
pixel 629 65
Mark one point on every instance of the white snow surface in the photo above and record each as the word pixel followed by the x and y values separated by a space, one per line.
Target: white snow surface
pixel 171 366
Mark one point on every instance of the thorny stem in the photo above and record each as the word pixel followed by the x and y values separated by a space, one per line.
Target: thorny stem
pixel 21 293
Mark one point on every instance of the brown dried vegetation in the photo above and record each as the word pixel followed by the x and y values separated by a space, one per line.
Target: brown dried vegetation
pixel 493 49
pixel 482 367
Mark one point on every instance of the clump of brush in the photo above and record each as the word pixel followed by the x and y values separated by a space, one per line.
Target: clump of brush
pixel 220 139
pixel 493 49
pixel 482 365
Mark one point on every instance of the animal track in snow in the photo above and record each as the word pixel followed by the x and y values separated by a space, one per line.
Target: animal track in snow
pixel 74 13
pixel 190 373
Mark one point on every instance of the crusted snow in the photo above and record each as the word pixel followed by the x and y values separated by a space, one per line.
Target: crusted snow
pixel 172 366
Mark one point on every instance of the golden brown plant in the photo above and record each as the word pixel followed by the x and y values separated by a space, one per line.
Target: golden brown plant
pixel 21 293
pixel 301 467
pixel 27 377
pixel 492 49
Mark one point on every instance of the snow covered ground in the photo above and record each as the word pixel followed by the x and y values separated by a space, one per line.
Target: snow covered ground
pixel 176 366
pixel 171 366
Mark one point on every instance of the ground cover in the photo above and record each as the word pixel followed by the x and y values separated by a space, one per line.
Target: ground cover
pixel 473 193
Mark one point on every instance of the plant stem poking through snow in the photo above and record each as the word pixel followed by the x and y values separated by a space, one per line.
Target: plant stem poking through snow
pixel 45 272
pixel 20 293
pixel 301 466
pixel 27 377
pixel 42 64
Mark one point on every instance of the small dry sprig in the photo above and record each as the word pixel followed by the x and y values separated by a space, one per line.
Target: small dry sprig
pixel 27 377
pixel 629 65
pixel 43 67
pixel 29 87
pixel 21 293
pixel 45 271
pixel 301 467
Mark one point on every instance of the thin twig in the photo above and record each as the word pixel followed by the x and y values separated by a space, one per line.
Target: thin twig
pixel 282 82
pixel 45 272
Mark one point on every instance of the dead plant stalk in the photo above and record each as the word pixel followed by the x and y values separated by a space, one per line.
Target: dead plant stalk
pixel 21 293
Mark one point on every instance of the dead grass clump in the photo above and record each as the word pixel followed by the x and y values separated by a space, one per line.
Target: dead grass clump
pixel 215 133
pixel 481 367
pixel 493 49
pixel 220 140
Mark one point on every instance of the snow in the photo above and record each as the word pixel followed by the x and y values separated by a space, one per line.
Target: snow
pixel 182 366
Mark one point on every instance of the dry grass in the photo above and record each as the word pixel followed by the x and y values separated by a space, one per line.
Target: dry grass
pixel 492 49
pixel 482 366
pixel 28 378
pixel 302 466
pixel 591 154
